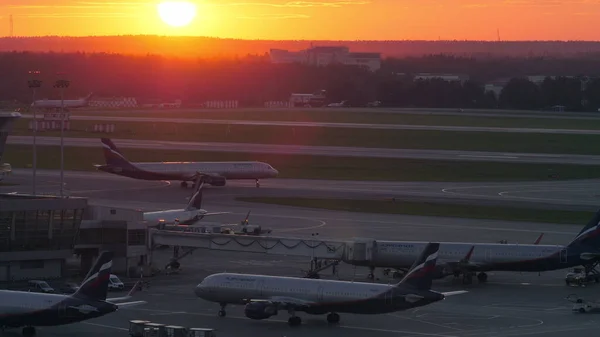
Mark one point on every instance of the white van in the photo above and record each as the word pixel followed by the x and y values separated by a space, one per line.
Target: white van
pixel 114 283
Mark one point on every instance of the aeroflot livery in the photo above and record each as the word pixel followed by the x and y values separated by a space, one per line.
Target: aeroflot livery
pixel 29 309
pixel 213 173
pixel 264 295
pixel 467 258
pixel 187 216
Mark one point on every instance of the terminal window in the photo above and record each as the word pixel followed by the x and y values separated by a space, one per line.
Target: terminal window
pixel 136 237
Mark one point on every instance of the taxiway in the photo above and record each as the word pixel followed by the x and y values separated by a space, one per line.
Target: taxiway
pixel 335 151
pixel 330 125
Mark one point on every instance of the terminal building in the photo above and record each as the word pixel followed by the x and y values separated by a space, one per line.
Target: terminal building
pixel 37 235
pixel 323 56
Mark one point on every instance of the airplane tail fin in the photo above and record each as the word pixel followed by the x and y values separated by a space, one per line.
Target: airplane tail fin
pixel 590 234
pixel 95 284
pixel 87 98
pixel 196 199
pixel 420 275
pixel 113 156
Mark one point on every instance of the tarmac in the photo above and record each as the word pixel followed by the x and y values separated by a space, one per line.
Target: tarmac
pixel 510 304
pixel 334 151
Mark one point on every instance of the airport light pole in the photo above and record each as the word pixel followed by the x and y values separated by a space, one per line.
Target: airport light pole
pixel 62 84
pixel 34 84
pixel 313 261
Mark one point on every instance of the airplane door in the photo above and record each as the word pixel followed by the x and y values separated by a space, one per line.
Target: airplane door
pixel 488 255
pixel 563 255
pixel 260 284
pixel 389 295
pixel 320 293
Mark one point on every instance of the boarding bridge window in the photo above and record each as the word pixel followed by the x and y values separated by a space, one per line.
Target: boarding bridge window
pixel 136 237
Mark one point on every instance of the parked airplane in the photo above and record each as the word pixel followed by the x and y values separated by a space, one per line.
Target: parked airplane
pixel 467 259
pixel 187 216
pixel 213 173
pixel 56 104
pixel 30 309
pixel 264 296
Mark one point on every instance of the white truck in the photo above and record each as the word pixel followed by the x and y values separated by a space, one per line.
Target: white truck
pixel 582 306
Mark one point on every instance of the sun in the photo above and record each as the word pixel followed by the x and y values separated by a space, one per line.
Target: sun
pixel 176 13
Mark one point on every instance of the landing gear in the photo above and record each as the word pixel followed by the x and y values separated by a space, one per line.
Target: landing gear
pixel 183 184
pixel 467 278
pixel 482 277
pixel 257 183
pixel 222 312
pixel 28 331
pixel 371 275
pixel 333 318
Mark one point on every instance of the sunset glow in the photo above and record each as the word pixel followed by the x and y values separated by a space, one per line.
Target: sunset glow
pixel 314 19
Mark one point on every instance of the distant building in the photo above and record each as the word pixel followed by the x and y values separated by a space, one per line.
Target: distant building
pixel 446 77
pixel 324 55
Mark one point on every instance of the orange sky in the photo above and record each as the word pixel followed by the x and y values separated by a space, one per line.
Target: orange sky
pixel 345 19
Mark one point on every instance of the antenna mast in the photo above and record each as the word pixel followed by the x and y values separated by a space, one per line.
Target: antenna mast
pixel 498 34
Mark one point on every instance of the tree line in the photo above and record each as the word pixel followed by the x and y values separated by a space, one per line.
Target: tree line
pixel 253 80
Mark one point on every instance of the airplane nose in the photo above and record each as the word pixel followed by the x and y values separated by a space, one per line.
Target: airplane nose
pixel 275 172
pixel 200 290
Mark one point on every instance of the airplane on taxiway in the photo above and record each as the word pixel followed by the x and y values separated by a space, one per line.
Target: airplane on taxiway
pixel 56 104
pixel 213 173
pixel 189 215
pixel 468 259
pixel 263 296
pixel 29 309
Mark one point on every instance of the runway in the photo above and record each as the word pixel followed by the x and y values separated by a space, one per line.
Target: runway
pixel 334 151
pixel 330 125
pixel 510 304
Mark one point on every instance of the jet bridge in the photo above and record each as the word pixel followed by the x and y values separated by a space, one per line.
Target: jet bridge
pixel 308 247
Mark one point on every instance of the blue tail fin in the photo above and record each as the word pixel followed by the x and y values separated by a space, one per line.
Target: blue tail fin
pixel 590 234
pixel 113 156
pixel 420 275
pixel 95 284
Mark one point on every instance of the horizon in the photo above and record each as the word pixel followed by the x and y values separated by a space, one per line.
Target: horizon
pixel 285 40
pixel 333 20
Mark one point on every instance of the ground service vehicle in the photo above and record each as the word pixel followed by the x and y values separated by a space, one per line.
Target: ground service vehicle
pixel 578 277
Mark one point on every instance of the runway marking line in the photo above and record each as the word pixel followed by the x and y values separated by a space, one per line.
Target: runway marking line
pixel 425 322
pixel 105 326
pixel 282 321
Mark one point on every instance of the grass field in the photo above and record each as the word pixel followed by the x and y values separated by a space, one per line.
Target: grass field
pixel 316 167
pixel 431 209
pixel 360 116
pixel 407 139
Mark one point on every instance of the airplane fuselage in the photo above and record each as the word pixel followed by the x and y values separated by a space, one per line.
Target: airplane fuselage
pixel 56 104
pixel 19 308
pixel 485 256
pixel 184 171
pixel 321 296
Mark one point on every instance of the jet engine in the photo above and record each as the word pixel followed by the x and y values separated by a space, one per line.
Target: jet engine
pixel 260 310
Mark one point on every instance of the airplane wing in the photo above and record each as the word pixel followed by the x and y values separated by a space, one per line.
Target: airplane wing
pixel 452 293
pixel 129 304
pixel 124 298
pixel 289 302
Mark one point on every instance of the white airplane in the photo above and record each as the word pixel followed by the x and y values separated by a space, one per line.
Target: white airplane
pixel 55 104
pixel 186 216
pixel 264 296
pixel 213 173
pixel 29 309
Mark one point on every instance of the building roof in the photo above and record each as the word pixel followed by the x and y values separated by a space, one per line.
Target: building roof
pixel 328 49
